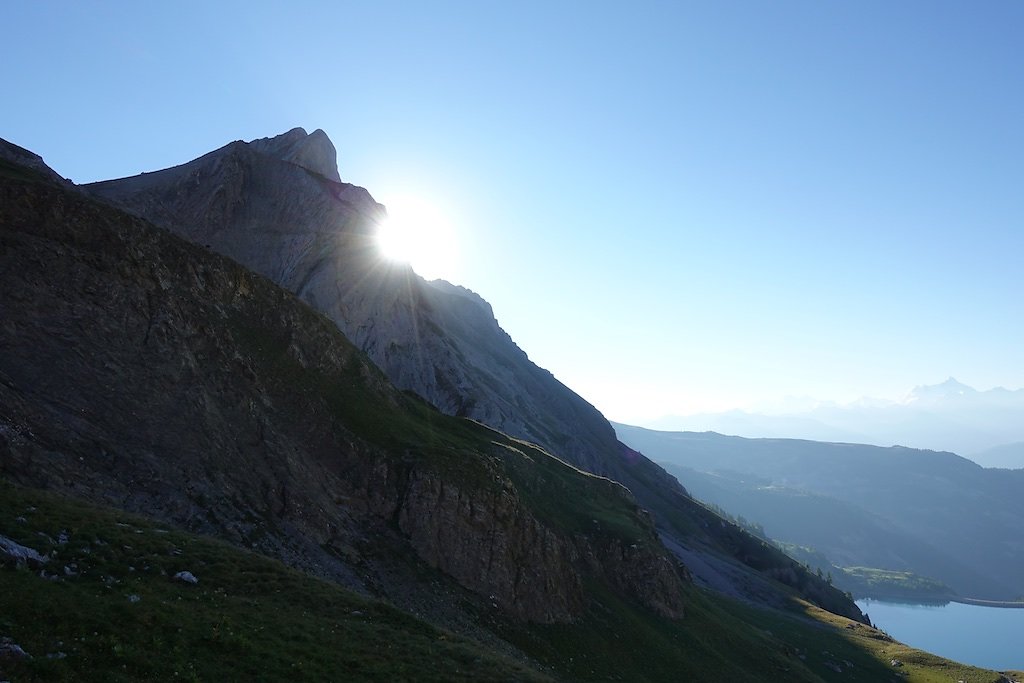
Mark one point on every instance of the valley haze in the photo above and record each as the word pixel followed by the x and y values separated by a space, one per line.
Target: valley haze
pixel 985 426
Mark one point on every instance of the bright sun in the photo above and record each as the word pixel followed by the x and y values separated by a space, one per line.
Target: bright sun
pixel 417 233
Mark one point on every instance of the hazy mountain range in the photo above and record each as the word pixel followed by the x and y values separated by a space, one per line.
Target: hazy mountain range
pixel 985 426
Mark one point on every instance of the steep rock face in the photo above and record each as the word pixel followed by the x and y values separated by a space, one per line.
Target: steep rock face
pixel 521 563
pixel 515 560
pixel 145 372
pixel 314 152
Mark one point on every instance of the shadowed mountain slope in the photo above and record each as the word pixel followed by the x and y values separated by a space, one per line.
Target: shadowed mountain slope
pixel 263 206
pixel 144 371
pixel 259 204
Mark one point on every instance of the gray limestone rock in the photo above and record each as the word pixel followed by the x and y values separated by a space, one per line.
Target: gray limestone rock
pixel 186 577
pixel 19 555
pixel 314 152
pixel 11 650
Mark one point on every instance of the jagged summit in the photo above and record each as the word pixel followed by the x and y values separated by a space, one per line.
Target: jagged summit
pixel 313 151
pixel 951 388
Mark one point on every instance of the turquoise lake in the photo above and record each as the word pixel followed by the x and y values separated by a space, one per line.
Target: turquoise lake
pixel 989 637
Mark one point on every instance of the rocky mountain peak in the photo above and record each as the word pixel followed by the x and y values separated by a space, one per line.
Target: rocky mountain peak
pixel 313 151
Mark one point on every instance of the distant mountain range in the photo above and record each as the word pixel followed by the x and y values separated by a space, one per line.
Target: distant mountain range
pixel 985 426
pixel 900 509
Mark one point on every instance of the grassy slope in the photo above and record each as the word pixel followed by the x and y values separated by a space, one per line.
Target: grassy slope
pixel 249 618
pixel 869 650
pixel 884 583
pixel 871 582
pixel 724 640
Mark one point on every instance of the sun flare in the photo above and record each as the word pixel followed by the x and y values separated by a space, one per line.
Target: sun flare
pixel 418 233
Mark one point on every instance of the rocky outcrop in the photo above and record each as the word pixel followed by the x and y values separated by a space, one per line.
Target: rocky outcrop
pixel 494 545
pixel 491 541
pixel 11 650
pixel 17 555
pixel 638 570
pixel 314 152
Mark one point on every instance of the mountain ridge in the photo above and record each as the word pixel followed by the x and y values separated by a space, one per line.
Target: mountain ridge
pixel 959 520
pixel 314 151
pixel 949 416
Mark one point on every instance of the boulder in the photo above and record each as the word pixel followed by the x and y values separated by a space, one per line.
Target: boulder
pixel 13 553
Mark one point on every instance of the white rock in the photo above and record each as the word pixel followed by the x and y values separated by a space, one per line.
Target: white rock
pixel 20 555
pixel 186 577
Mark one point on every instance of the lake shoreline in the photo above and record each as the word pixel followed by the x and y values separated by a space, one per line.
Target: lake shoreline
pixel 931 601
pixel 938 601
pixel 1002 604
pixel 965 630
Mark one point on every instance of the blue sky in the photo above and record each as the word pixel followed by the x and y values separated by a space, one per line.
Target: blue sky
pixel 673 206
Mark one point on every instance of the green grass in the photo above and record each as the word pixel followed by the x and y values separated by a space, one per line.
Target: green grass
pixel 616 641
pixel 251 618
pixel 721 639
pixel 822 637
pixel 248 619
pixel 571 500
pixel 868 581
